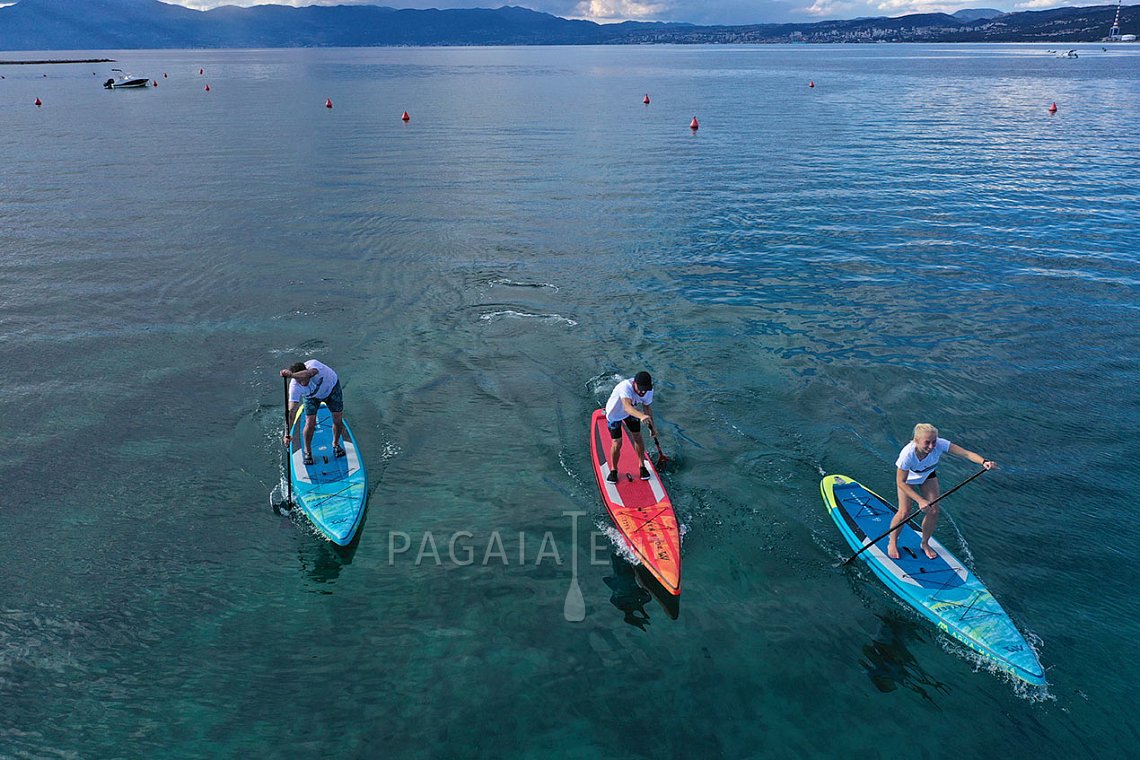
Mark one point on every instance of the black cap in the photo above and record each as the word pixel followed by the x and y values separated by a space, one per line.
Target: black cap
pixel 643 380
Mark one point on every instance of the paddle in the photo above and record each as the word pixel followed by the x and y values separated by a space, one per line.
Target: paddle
pixel 288 452
pixel 574 608
pixel 904 522
pixel 662 460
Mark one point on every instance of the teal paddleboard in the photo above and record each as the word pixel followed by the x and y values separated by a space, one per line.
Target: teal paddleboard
pixel 331 491
pixel 942 589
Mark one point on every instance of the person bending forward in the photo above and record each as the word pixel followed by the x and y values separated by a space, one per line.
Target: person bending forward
pixel 622 409
pixel 312 382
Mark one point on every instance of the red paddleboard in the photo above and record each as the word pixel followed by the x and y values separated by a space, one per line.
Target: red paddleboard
pixel 640 509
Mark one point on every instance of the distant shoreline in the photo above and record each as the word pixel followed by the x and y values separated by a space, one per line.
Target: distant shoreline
pixel 58 60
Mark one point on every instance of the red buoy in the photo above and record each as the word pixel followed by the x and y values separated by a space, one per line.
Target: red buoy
pixel 693 125
pixel 1053 108
pixel 39 102
pixel 328 103
pixel 207 88
pixel 811 83
pixel 154 82
pixel 405 117
pixel 646 100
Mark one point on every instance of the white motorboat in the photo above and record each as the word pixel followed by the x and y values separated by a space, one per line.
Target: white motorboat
pixel 1063 53
pixel 125 80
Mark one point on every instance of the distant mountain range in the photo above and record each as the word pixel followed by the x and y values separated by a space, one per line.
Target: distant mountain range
pixel 975 14
pixel 134 24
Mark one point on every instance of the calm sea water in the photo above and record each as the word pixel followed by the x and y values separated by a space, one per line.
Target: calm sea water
pixel 807 276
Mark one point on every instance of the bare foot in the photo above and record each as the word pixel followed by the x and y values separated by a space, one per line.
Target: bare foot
pixel 893 551
pixel 930 553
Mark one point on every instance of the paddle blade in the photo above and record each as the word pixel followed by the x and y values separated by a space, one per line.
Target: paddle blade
pixel 279 501
pixel 574 608
pixel 662 460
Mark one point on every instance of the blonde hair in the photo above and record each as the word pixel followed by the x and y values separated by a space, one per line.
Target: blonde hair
pixel 924 429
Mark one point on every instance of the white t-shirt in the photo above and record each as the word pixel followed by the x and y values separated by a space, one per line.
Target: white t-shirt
pixel 919 469
pixel 615 409
pixel 318 388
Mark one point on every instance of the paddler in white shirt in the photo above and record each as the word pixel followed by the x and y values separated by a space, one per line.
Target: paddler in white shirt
pixel 630 404
pixel 917 481
pixel 311 383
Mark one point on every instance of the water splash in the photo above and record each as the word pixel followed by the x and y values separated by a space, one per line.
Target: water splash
pixel 277 498
pixel 505 282
pixel 601 385
pixel 1023 690
pixel 390 450
pixel 515 314
pixel 617 540
pixel 567 469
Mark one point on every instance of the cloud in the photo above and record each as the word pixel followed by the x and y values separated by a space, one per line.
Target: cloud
pixel 849 9
pixel 830 8
pixel 620 10
pixel 1037 5
pixel 903 7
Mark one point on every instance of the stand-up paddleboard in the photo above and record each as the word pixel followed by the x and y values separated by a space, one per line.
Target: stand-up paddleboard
pixel 332 490
pixel 640 509
pixel 942 589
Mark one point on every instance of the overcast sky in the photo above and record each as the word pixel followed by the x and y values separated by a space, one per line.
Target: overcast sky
pixel 693 11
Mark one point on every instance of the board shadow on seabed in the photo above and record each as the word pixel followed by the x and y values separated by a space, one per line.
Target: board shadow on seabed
pixel 633 587
pixel 889 664
pixel 320 559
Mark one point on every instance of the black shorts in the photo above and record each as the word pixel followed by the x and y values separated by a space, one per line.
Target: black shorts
pixel 632 423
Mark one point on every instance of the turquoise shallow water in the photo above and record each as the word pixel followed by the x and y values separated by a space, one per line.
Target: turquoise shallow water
pixel 807 276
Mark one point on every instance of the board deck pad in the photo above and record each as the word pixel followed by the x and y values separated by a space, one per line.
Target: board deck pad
pixel 640 509
pixel 942 589
pixel 332 491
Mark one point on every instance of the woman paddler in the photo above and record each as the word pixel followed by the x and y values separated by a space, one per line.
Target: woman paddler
pixel 917 481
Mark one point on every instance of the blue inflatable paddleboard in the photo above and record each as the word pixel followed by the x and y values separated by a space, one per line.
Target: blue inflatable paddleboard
pixel 942 589
pixel 332 490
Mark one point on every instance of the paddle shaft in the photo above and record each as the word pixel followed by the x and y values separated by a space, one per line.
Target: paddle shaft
pixel 289 449
pixel 916 514
pixel 661 458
